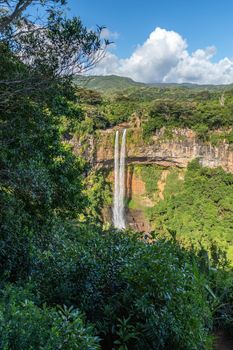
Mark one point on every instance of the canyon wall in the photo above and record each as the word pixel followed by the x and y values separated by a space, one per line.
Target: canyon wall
pixel 169 151
pixel 177 149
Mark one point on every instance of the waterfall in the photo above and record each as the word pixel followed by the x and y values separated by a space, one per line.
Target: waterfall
pixel 116 182
pixel 119 183
pixel 122 183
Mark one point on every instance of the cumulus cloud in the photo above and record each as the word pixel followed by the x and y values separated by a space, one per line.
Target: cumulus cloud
pixel 108 34
pixel 164 57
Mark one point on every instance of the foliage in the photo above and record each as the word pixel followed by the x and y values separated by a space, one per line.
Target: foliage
pixel 23 325
pixel 107 83
pixel 52 51
pixel 39 179
pixel 201 116
pixel 53 251
pixel 200 209
pixel 216 268
pixel 151 174
pixel 163 106
pixel 98 193
pixel 138 295
pixel 221 282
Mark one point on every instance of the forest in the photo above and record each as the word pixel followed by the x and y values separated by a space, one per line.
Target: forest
pixel 204 109
pixel 68 281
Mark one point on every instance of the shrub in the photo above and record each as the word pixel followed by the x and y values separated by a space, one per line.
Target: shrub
pixel 139 296
pixel 25 326
pixel 200 210
pixel 221 282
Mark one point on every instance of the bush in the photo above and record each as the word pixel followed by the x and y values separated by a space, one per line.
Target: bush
pixel 221 282
pixel 139 296
pixel 200 210
pixel 25 326
pixel 202 131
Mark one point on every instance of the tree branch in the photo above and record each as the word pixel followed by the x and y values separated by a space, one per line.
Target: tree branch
pixel 20 7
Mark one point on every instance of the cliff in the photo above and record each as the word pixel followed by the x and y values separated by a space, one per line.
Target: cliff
pixel 177 150
pixel 170 155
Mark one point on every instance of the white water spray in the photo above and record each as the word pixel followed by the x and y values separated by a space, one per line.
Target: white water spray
pixel 119 184
pixel 116 181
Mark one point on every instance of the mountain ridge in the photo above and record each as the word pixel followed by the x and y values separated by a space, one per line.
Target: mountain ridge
pixel 115 82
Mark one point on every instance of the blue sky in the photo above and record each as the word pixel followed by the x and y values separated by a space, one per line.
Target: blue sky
pixel 200 24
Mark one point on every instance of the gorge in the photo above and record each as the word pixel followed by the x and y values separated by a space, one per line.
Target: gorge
pixel 116 197
pixel 166 157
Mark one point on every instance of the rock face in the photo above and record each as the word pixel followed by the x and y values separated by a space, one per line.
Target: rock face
pixel 137 221
pixel 178 151
pixel 136 193
pixel 135 190
pixel 83 147
pixel 175 150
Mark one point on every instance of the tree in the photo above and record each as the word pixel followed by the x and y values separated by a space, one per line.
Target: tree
pixel 42 54
pixel 40 179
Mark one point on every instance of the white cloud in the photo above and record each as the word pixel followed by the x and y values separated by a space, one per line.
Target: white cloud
pixel 108 34
pixel 108 65
pixel 164 57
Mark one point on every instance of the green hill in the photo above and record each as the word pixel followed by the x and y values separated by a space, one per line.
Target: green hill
pixel 114 82
pixel 108 82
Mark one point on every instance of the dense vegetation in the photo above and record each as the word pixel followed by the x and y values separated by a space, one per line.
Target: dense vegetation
pixel 203 109
pixel 66 283
pixel 196 210
pixel 197 206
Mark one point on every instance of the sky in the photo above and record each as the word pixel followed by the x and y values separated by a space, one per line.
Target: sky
pixel 164 41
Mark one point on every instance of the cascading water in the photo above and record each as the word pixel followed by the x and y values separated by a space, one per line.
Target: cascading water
pixel 119 184
pixel 122 183
pixel 116 182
